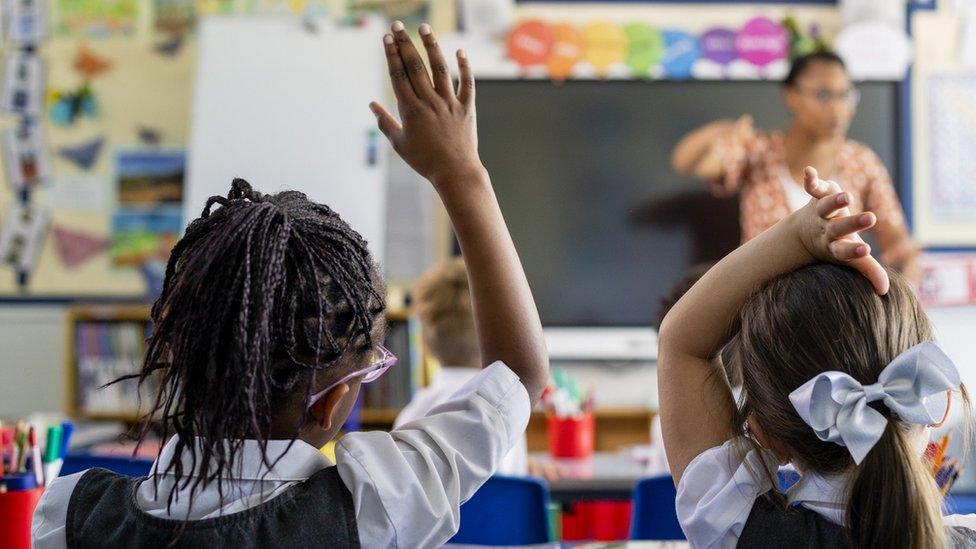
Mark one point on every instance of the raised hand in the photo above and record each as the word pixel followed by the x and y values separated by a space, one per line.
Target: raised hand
pixel 437 134
pixel 829 232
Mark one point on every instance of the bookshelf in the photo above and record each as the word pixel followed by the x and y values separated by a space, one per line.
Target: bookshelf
pixel 106 341
pixel 616 427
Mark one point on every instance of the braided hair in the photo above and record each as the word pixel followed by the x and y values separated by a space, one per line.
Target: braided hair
pixel 260 295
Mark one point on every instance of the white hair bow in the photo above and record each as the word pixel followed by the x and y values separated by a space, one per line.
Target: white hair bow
pixel 913 387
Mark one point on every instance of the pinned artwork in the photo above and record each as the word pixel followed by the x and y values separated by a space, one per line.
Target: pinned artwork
pixel 762 41
pixel 96 18
pixel 530 43
pixel 28 22
pixel 23 84
pixel 149 136
pixel 680 53
pixel 645 46
pixel 84 155
pixel 88 64
pixel 76 247
pixel 170 47
pixel 567 51
pixel 604 45
pixel 25 157
pixel 718 45
pixel 22 234
pixel 67 107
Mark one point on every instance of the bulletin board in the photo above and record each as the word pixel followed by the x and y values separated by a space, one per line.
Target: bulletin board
pixel 141 92
pixel 114 87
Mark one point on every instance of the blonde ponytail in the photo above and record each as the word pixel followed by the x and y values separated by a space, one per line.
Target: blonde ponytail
pixel 893 501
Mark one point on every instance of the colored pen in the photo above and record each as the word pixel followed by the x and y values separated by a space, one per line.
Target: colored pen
pixel 20 438
pixel 35 452
pixel 67 428
pixel 940 454
pixel 52 454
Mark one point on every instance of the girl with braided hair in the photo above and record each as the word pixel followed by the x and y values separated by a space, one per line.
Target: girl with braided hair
pixel 270 319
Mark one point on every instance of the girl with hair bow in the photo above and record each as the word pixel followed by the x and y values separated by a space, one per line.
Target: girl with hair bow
pixel 840 377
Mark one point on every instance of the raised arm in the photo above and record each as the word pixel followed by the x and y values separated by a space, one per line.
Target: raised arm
pixel 437 136
pixel 696 403
pixel 698 155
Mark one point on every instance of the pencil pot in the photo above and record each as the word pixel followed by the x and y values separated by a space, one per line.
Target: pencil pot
pixel 571 437
pixel 17 509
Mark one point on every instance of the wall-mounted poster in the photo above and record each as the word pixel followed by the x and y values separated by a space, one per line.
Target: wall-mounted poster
pixel 945 185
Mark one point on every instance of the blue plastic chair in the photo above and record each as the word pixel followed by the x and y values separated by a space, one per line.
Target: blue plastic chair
pixel 506 511
pixel 960 504
pixel 75 462
pixel 654 516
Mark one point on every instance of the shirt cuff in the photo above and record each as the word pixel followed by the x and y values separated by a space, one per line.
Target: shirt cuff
pixel 502 389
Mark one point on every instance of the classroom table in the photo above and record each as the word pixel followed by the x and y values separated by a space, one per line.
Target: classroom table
pixel 605 476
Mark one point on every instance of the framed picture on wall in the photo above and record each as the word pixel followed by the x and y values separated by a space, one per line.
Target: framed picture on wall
pixel 944 193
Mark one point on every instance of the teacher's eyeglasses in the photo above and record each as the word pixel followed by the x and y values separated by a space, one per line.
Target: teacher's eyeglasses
pixel 381 361
pixel 851 96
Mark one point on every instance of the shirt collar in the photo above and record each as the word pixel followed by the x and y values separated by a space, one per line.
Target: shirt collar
pixel 823 494
pixel 296 463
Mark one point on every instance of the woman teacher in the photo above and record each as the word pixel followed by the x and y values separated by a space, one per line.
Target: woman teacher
pixel 766 168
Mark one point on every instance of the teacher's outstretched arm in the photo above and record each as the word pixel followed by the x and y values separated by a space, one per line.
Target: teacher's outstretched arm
pixel 698 156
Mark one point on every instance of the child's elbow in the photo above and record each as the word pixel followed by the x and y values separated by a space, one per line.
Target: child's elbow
pixel 665 338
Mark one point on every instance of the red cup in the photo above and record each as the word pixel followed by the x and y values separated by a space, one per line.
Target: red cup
pixel 17 510
pixel 571 437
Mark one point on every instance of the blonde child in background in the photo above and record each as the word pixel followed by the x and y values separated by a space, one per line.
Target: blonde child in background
pixel 441 300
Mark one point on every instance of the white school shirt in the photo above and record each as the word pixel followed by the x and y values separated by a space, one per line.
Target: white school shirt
pixel 719 487
pixel 796 196
pixel 445 383
pixel 406 485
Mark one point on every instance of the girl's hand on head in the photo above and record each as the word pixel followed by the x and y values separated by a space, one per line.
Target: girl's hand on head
pixel 437 135
pixel 830 233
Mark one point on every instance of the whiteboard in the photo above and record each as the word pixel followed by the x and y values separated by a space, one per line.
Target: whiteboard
pixel 287 108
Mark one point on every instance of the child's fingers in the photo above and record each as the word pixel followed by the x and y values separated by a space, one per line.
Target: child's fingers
pixel 869 267
pixel 832 205
pixel 412 63
pixel 844 226
pixel 398 74
pixel 811 182
pixel 466 84
pixel 849 249
pixel 442 75
pixel 816 187
pixel 385 121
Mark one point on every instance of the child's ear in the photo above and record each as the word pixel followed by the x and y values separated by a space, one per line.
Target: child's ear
pixel 325 408
pixel 781 451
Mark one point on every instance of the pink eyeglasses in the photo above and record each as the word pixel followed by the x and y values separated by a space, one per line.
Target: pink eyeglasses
pixel 382 361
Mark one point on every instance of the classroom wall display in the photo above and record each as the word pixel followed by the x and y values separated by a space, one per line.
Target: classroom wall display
pixel 637 49
pixel 96 18
pixel 948 280
pixel 945 192
pixel 762 41
pixel 567 51
pixel 69 162
pixel 108 92
pixel 680 53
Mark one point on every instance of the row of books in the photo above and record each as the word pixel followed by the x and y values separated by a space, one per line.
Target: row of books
pixel 395 389
pixel 105 351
